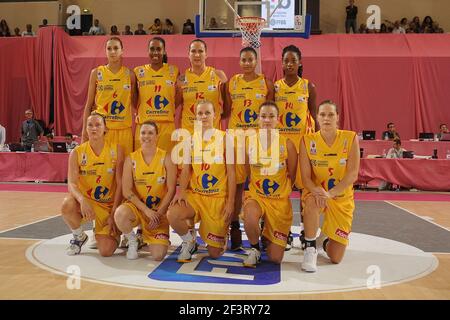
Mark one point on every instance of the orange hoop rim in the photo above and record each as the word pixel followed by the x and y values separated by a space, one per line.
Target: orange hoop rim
pixel 245 21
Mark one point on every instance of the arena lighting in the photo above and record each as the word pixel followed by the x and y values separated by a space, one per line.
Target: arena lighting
pixel 86 10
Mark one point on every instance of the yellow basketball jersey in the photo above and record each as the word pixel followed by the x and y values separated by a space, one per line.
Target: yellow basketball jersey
pixel 97 173
pixel 246 98
pixel 264 183
pixel 113 97
pixel 293 105
pixel 203 87
pixel 156 93
pixel 209 171
pixel 329 164
pixel 150 179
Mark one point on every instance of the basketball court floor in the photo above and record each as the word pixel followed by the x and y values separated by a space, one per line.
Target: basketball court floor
pixel 399 249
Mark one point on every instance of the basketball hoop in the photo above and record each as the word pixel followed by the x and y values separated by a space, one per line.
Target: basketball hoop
pixel 251 28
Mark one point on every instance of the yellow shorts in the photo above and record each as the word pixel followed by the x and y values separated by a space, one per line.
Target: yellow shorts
pixel 165 130
pixel 337 224
pixel 160 235
pixel 102 213
pixel 241 175
pixel 209 211
pixel 277 215
pixel 124 137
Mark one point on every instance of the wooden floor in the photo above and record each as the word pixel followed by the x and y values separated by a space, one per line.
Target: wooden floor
pixel 19 279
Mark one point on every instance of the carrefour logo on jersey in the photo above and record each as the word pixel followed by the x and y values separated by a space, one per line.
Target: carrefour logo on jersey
pixel 208 181
pixel 290 120
pixel 152 202
pixel 116 109
pixel 248 116
pixel 268 187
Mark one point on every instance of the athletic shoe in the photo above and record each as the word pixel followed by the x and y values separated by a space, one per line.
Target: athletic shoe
pixel 132 252
pixel 140 239
pixel 188 248
pixel 123 242
pixel 236 239
pixel 290 242
pixel 253 258
pixel 76 243
pixel 92 241
pixel 309 263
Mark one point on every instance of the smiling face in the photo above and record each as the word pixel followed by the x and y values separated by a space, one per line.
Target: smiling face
pixel 197 54
pixel 114 50
pixel 156 52
pixel 148 135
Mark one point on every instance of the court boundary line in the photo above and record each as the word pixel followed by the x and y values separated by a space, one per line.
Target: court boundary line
pixel 27 224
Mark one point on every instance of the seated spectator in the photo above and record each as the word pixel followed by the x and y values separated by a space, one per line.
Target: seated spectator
pixel 362 28
pixel 427 25
pixel 383 28
pixel 156 27
pixel 140 30
pixel 114 31
pixel 70 142
pixel 188 27
pixel 391 133
pixel 396 152
pixel 4 29
pixel 17 32
pixel 213 23
pixel 49 142
pixel 168 28
pixel 127 31
pixel 96 29
pixel 398 29
pixel 31 131
pixel 442 129
pixel 2 135
pixel 44 23
pixel 29 32
pixel 415 25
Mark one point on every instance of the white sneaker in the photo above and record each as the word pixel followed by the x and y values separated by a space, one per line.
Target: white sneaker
pixel 132 252
pixel 188 248
pixel 309 263
pixel 76 243
pixel 253 258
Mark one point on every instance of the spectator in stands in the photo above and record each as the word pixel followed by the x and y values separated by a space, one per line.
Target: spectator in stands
pixel 391 133
pixel 2 135
pixel 350 21
pixel 398 29
pixel 29 32
pixel 213 23
pixel 156 27
pixel 404 23
pixel 96 29
pixel 31 131
pixel 415 25
pixel 188 27
pixel 396 152
pixel 44 23
pixel 362 28
pixel 140 30
pixel 17 32
pixel 427 25
pixel 114 31
pixel 127 31
pixel 383 28
pixel 442 129
pixel 70 142
pixel 4 29
pixel 168 27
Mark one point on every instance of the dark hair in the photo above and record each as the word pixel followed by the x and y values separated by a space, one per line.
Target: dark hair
pixel 116 39
pixel 330 102
pixel 269 103
pixel 49 135
pixel 68 135
pixel 169 22
pixel 424 23
pixel 389 124
pixel 165 59
pixel 151 123
pixel 397 141
pixel 296 50
pixel 404 19
pixel 198 40
pixel 157 20
pixel 248 49
pixel 441 125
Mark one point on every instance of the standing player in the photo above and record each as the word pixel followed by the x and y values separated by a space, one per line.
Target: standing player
pixel 94 182
pixel 200 82
pixel 296 99
pixel 244 93
pixel 207 190
pixel 330 163
pixel 270 187
pixel 156 84
pixel 110 93
pixel 149 183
